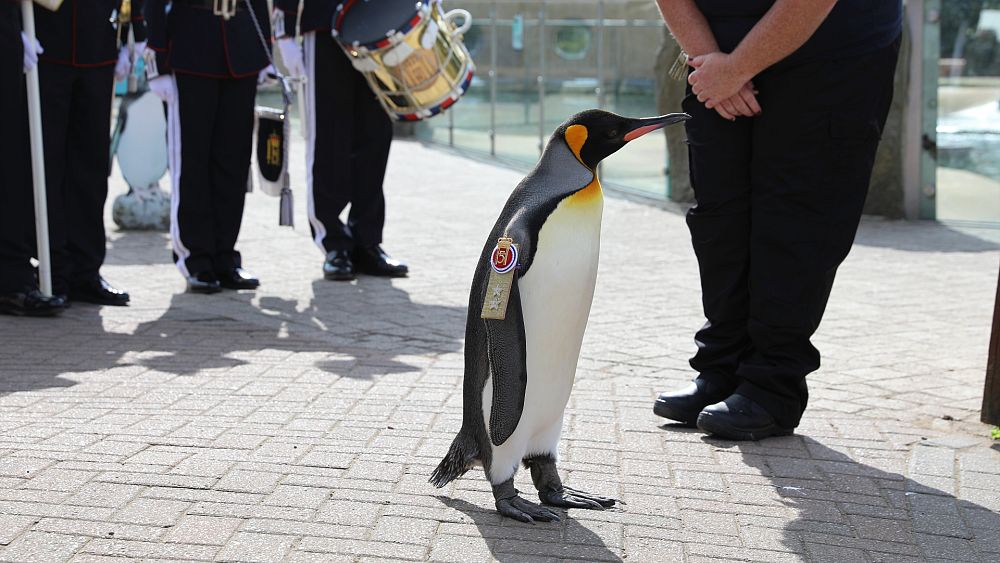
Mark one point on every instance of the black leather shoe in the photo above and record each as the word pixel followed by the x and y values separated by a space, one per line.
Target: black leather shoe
pixel 685 404
pixel 238 278
pixel 203 282
pixel 31 304
pixel 98 290
pixel 372 260
pixel 338 266
pixel 739 418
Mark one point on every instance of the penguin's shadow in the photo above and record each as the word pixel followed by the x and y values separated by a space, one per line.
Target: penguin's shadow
pixel 509 540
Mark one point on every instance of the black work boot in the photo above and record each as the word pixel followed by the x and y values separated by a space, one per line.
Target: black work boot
pixel 739 418
pixel 685 404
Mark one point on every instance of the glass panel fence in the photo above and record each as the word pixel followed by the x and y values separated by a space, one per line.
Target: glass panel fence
pixel 968 127
pixel 552 59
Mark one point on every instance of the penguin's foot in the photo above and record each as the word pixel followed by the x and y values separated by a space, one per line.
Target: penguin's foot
pixel 525 511
pixel 513 506
pixel 566 497
pixel 551 490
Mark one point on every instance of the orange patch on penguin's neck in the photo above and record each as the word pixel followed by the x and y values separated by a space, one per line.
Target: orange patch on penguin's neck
pixel 576 136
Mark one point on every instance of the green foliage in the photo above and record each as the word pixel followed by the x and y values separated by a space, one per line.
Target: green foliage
pixel 995 433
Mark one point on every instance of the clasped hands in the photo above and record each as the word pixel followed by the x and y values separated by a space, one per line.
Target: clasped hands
pixel 722 85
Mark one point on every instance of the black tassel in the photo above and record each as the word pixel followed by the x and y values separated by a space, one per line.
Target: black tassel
pixel 285 216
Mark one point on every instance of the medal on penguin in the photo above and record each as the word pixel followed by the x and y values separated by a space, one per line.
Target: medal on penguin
pixel 528 309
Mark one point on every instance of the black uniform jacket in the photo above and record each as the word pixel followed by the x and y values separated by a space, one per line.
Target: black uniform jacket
pixel 317 15
pixel 190 39
pixel 854 27
pixel 85 33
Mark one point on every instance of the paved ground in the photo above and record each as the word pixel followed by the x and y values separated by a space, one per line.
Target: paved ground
pixel 301 422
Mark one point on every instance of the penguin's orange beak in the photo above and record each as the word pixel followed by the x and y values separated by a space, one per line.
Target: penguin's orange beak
pixel 651 124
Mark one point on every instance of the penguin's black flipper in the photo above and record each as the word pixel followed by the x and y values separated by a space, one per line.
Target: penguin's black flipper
pixel 508 368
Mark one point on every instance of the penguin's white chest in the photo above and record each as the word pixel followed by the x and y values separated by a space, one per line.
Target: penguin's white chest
pixel 556 295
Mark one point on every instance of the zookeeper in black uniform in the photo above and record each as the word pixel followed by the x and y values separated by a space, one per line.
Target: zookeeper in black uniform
pixel 789 99
pixel 205 66
pixel 76 76
pixel 19 293
pixel 347 146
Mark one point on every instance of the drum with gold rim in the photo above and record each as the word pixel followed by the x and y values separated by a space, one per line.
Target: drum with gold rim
pixel 411 54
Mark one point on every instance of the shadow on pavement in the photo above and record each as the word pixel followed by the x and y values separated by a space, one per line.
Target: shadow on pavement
pixel 36 352
pixel 511 541
pixel 358 330
pixel 846 510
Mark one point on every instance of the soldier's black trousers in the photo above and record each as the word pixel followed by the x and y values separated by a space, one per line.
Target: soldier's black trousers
pixel 16 219
pixel 210 131
pixel 76 112
pixel 347 149
pixel 779 199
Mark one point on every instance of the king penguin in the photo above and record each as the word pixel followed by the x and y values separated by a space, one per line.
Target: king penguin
pixel 519 369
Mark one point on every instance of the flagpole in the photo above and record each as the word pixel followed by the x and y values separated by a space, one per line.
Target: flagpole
pixel 37 160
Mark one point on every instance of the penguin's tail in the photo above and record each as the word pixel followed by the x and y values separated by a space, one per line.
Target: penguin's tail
pixel 459 459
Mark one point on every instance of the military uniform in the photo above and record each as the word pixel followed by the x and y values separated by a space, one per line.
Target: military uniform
pixel 76 70
pixel 214 63
pixel 349 135
pixel 18 286
pixel 779 198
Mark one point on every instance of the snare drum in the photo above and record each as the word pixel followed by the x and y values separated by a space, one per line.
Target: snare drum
pixel 411 54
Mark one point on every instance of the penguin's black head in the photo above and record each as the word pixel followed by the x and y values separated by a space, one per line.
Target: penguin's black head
pixel 593 135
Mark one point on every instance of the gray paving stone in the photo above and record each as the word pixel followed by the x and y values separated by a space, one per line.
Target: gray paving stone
pixel 364 548
pixel 108 495
pixel 12 526
pixel 42 546
pixel 96 529
pixel 206 530
pixel 150 550
pixel 245 546
pixel 152 512
pixel 242 481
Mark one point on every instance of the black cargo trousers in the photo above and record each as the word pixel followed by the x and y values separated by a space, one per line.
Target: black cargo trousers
pixel 779 199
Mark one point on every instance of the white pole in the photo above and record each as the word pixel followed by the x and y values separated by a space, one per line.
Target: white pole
pixel 37 161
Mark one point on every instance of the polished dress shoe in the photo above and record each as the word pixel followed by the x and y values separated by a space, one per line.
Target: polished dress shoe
pixel 739 418
pixel 31 304
pixel 372 260
pixel 685 404
pixel 238 278
pixel 97 290
pixel 338 266
pixel 203 282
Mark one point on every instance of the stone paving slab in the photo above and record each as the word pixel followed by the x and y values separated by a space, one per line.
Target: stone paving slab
pixel 301 422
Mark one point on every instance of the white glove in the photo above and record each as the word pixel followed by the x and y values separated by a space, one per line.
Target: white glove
pixel 265 75
pixel 291 55
pixel 31 52
pixel 164 87
pixel 125 63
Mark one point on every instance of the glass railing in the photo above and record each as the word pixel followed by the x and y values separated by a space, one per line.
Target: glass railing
pixel 540 62
pixel 968 178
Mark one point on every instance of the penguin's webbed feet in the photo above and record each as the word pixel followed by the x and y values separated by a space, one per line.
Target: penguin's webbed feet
pixel 565 497
pixel 525 511
pixel 513 506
